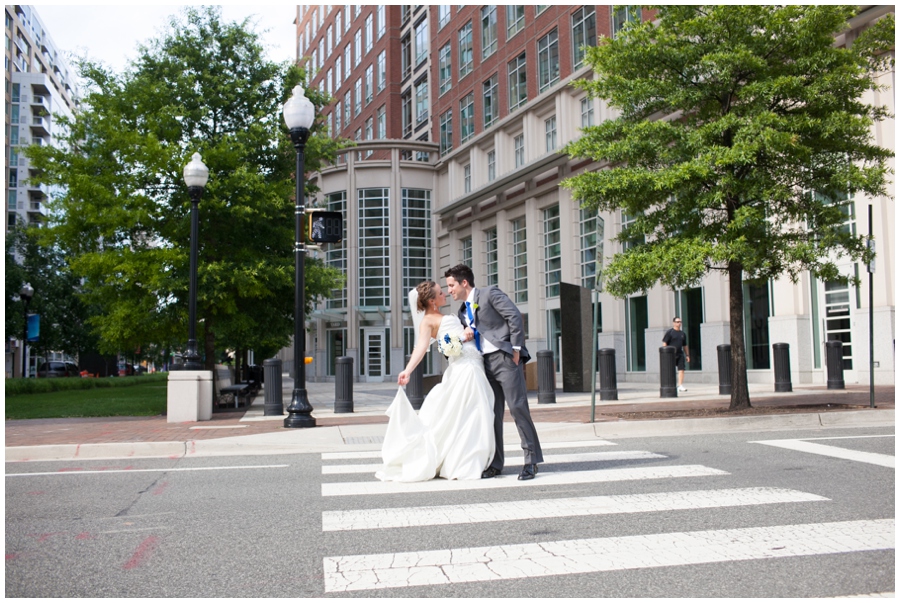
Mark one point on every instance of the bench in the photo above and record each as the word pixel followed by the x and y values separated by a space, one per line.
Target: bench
pixel 227 390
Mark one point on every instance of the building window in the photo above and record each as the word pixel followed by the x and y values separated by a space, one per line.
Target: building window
pixel 443 15
pixel 370 83
pixel 467 178
pixel 519 261
pixel 625 14
pixel 370 39
pixel 519 146
pixel 338 113
pixel 406 113
pixel 491 266
pixel 421 101
pixel 550 133
pixel 465 50
pixel 632 240
pixel 590 236
pixel 405 57
pixel 374 247
pixel 348 108
pixel 421 41
pixel 518 82
pixel 548 60
pixel 467 117
pixel 446 131
pixel 336 255
pixel 491 165
pixel 584 33
pixel 381 25
pixel 488 31
pixel 416 216
pixel 382 70
pixel 491 101
pixel 338 72
pixel 445 69
pixel 348 64
pixel 587 112
pixel 357 46
pixel 515 20
pixel 465 251
pixel 381 122
pixel 552 252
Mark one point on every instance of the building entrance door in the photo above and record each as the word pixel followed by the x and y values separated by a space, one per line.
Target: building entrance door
pixel 374 354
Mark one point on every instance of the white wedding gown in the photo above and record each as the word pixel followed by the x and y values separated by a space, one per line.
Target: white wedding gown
pixel 453 434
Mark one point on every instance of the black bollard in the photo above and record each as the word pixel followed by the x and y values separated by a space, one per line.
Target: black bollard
pixel 415 389
pixel 273 395
pixel 343 384
pixel 834 360
pixel 782 354
pixel 668 386
pixel 546 378
pixel 608 388
pixel 724 354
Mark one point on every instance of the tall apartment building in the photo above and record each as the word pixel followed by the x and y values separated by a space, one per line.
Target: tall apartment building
pixel 39 86
pixel 459 113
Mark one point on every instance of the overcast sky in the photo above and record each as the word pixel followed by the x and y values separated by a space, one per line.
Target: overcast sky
pixel 112 33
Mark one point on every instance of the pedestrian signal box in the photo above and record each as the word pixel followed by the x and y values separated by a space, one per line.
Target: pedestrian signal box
pixel 325 226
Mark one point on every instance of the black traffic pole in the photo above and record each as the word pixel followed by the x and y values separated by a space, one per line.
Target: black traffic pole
pixel 195 176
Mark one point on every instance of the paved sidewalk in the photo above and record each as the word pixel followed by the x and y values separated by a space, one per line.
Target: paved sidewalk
pixel 638 411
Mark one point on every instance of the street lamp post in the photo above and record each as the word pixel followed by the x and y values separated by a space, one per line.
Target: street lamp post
pixel 299 113
pixel 26 293
pixel 195 176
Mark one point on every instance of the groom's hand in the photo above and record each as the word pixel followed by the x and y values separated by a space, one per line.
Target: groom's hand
pixel 516 357
pixel 468 334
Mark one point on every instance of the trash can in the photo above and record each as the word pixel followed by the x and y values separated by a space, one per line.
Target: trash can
pixel 343 384
pixel 834 359
pixel 609 389
pixel 546 378
pixel 274 405
pixel 667 382
pixel 724 354
pixel 782 354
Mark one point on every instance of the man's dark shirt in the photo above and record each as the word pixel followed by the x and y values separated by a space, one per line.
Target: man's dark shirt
pixel 678 339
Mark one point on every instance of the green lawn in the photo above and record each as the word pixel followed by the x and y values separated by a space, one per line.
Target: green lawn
pixel 141 399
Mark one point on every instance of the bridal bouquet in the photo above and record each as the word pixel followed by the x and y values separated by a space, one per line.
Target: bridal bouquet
pixel 450 345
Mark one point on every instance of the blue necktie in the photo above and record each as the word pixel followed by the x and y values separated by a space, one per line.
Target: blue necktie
pixel 472 324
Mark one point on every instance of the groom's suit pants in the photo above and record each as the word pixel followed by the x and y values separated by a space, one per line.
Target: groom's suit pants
pixel 508 382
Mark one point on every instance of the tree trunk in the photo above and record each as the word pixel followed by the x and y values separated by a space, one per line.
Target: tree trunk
pixel 740 394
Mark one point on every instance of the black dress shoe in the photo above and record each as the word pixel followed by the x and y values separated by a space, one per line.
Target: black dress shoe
pixel 490 472
pixel 528 472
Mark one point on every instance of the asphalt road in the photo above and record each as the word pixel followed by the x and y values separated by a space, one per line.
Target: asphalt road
pixel 766 514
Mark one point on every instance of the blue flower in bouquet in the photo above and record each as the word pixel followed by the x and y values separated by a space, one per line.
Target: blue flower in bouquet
pixel 450 345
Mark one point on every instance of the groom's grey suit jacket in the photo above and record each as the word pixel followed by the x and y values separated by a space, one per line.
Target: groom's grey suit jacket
pixel 498 320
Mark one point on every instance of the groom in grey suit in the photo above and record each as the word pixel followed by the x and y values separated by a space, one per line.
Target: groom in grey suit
pixel 496 325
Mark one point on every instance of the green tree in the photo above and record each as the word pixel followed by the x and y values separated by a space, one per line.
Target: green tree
pixel 124 218
pixel 740 128
pixel 56 295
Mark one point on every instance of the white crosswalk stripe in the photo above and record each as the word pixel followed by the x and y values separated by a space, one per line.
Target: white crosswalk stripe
pixel 369 519
pixel 376 454
pixel 873 458
pixel 510 480
pixel 506 562
pixel 614 455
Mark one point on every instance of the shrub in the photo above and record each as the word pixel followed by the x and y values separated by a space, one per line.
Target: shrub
pixel 18 387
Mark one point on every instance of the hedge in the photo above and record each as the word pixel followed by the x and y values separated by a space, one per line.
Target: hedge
pixel 19 386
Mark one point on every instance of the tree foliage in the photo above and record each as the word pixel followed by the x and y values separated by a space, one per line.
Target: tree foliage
pixel 741 133
pixel 56 296
pixel 124 218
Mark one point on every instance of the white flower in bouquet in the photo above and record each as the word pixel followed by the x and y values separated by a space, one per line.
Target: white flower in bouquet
pixel 450 345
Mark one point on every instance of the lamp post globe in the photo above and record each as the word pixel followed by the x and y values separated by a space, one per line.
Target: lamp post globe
pixel 299 114
pixel 25 293
pixel 196 175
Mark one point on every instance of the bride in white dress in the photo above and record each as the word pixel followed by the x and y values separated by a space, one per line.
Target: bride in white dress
pixel 453 435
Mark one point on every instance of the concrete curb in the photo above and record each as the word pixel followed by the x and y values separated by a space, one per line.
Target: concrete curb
pixel 368 437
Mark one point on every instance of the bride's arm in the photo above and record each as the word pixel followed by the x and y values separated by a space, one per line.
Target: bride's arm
pixel 418 353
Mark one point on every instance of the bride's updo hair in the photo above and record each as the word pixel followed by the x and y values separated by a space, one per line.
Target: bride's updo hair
pixel 427 291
